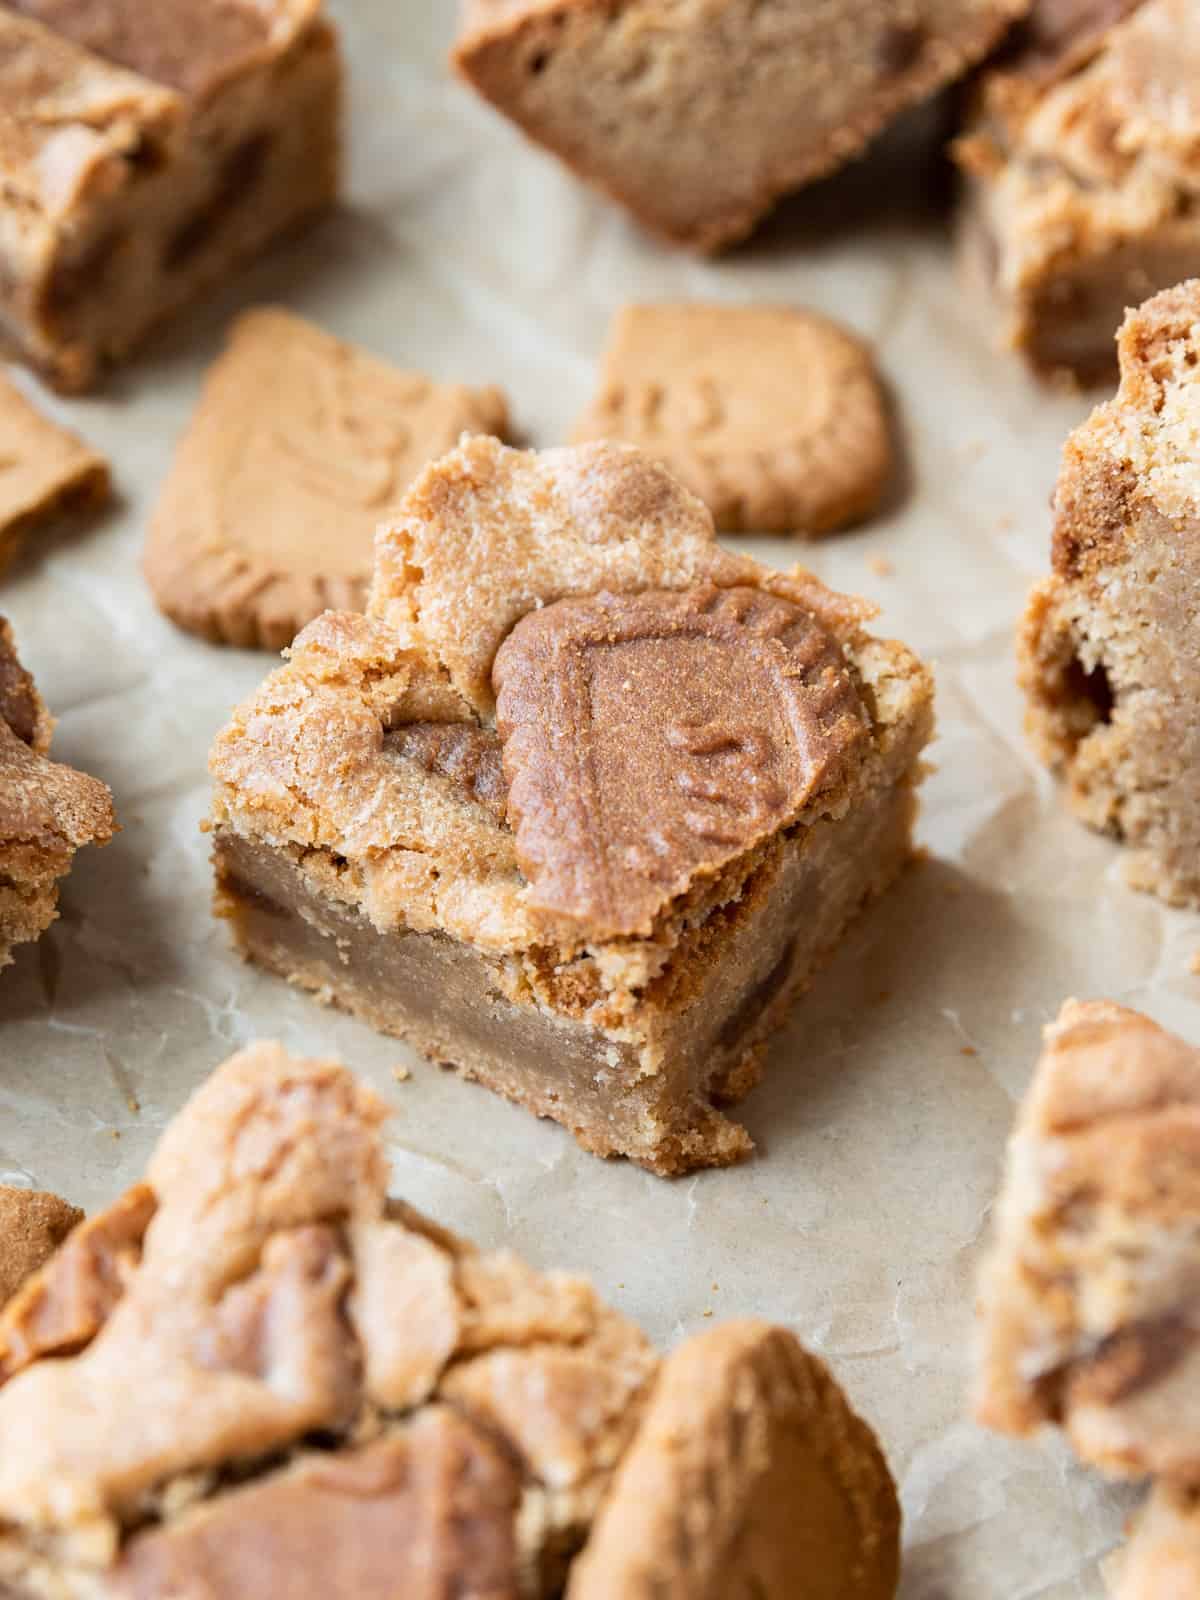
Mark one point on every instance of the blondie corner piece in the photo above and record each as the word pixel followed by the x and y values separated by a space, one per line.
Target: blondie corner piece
pixel 697 115
pixel 148 150
pixel 1083 164
pixel 299 446
pixel 288 1384
pixel 581 805
pixel 1090 1304
pixel 711 391
pixel 47 811
pixel 1106 649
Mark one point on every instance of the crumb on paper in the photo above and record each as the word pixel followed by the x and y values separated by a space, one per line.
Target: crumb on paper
pixel 401 1073
pixel 115 1133
pixel 1004 524
pixel 134 1104
pixel 708 1313
pixel 716 1288
pixel 880 566
pixel 968 1050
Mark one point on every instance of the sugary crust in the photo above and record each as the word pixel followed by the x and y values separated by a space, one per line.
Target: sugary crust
pixel 1090 1302
pixel 749 1474
pixel 299 446
pixel 646 99
pixel 1162 1559
pixel 32 1226
pixel 1084 176
pixel 1104 650
pixel 711 392
pixel 46 470
pixel 487 534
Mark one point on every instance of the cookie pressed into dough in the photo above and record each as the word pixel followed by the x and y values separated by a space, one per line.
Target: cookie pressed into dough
pixel 45 472
pixel 775 417
pixel 299 447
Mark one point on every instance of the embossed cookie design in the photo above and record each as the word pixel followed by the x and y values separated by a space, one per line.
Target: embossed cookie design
pixel 776 418
pixel 649 739
pixel 300 446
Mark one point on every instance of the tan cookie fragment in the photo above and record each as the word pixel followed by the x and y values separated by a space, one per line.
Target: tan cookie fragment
pixel 776 418
pixel 32 1226
pixel 749 1475
pixel 46 472
pixel 47 811
pixel 300 446
pixel 1090 1303
pixel 697 115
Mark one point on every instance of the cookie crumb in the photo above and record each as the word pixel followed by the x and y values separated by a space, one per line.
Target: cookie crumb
pixel 401 1074
pixel 881 566
pixel 968 1050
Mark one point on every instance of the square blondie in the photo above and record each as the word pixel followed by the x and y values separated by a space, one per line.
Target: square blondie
pixel 148 150
pixel 1083 178
pixel 581 804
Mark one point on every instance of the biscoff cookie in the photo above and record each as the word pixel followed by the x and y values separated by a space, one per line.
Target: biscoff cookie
pixel 45 472
pixel 33 1223
pixel 775 417
pixel 750 1474
pixel 300 445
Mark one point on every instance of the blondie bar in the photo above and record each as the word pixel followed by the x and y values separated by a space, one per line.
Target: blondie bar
pixel 147 150
pixel 290 1385
pixel 47 811
pixel 583 802
pixel 1107 652
pixel 1090 1311
pixel 1083 168
pixel 697 115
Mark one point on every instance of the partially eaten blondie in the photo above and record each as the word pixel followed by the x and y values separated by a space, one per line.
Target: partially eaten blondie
pixel 582 803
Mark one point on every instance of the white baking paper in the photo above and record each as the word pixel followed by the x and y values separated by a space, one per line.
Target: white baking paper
pixel 882 1120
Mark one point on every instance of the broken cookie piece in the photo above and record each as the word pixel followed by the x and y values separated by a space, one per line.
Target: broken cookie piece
pixel 581 805
pixel 776 418
pixel 1105 649
pixel 32 1226
pixel 1083 175
pixel 1162 1558
pixel 148 151
pixel 295 1386
pixel 45 472
pixel 47 811
pixel 300 446
pixel 697 117
pixel 1090 1306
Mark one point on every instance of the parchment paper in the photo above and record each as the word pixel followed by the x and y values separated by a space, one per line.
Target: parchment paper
pixel 882 1119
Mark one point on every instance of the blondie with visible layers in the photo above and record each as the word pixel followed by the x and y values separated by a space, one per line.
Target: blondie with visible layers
pixel 697 115
pixel 47 811
pixel 1107 648
pixel 583 802
pixel 284 1383
pixel 147 150
pixel 1090 1311
pixel 1083 174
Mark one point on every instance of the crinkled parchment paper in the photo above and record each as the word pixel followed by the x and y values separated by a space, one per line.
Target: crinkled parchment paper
pixel 882 1119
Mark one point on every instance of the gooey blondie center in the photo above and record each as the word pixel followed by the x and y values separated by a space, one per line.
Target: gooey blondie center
pixel 581 804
